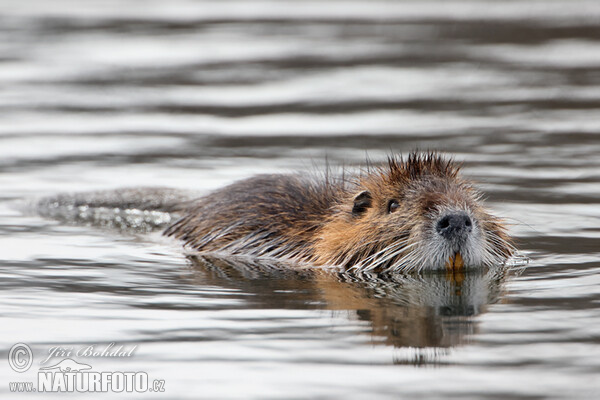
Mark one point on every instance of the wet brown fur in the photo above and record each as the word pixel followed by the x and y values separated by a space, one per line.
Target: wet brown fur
pixel 346 222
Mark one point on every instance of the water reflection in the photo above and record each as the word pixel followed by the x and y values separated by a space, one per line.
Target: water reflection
pixel 419 311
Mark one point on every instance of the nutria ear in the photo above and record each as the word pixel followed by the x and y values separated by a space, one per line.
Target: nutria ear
pixel 362 201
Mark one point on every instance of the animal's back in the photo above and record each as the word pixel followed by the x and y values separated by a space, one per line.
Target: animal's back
pixel 267 215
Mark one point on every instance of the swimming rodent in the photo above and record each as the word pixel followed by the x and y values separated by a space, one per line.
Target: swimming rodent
pixel 409 214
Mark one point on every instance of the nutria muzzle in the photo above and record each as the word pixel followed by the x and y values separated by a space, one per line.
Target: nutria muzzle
pixel 455 227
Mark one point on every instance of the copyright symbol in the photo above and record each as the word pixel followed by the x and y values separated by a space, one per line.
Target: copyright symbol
pixel 20 357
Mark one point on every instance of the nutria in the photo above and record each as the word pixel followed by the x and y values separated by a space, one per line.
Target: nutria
pixel 408 215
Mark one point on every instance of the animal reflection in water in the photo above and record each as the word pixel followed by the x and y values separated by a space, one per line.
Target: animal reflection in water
pixel 422 314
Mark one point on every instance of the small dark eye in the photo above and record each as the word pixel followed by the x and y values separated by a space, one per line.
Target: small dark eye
pixel 393 205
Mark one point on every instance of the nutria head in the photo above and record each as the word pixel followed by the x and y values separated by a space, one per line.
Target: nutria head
pixel 412 214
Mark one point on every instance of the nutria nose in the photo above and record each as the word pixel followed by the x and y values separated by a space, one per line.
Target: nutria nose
pixel 454 226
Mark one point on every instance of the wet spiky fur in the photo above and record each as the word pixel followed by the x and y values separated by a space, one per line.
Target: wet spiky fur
pixel 347 222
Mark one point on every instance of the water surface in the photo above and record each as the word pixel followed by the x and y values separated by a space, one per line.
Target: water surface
pixel 195 95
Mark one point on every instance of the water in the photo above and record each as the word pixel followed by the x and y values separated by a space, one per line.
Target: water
pixel 194 95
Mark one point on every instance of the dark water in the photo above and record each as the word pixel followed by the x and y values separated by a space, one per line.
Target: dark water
pixel 188 94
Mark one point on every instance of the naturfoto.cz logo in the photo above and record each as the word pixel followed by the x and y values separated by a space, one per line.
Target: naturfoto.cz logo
pixel 69 375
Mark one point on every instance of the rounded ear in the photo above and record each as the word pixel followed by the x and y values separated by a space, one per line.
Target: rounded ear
pixel 362 201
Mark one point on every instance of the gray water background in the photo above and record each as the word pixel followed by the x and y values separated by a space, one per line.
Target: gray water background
pixel 195 95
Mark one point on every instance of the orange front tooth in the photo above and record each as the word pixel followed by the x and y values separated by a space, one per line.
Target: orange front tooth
pixel 458 261
pixel 455 262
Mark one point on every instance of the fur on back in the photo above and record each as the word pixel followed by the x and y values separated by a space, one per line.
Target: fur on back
pixel 267 215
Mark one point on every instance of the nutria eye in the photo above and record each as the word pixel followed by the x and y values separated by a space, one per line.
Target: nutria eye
pixel 393 205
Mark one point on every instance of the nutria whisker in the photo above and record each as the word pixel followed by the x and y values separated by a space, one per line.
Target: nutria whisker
pixel 396 250
pixel 386 249
pixel 410 260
